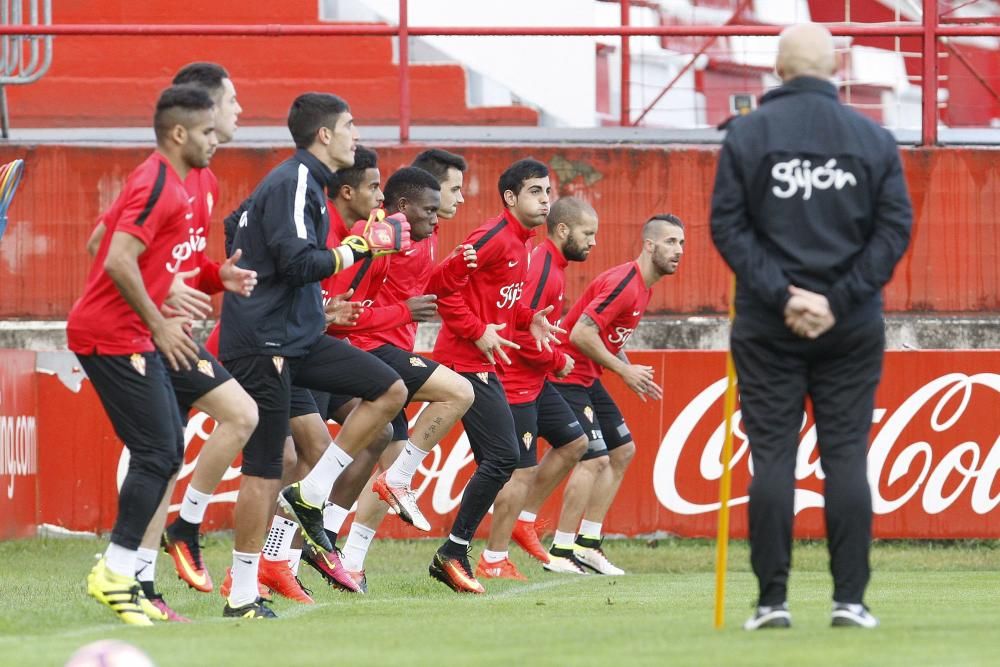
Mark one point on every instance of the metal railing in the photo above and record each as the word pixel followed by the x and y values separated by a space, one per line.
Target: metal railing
pixel 24 58
pixel 931 30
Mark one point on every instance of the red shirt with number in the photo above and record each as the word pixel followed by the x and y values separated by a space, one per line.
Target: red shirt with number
pixel 615 301
pixel 153 207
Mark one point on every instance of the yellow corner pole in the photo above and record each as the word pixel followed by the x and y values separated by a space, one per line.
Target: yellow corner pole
pixel 725 482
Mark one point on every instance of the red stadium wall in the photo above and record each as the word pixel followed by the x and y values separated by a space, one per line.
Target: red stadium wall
pixel 953 264
pixel 934 457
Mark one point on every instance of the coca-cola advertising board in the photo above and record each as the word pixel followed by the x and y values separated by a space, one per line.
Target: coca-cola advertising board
pixel 933 461
pixel 18 444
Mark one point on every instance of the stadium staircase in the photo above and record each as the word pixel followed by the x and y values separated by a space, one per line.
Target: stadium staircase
pixel 112 81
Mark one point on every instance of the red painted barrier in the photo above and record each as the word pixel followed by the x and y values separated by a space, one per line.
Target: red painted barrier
pixel 953 264
pixel 933 462
pixel 18 444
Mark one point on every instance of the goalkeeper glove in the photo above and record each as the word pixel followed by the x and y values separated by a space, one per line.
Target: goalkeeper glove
pixel 379 235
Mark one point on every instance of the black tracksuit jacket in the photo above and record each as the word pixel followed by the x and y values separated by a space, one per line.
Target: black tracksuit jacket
pixel 282 232
pixel 809 193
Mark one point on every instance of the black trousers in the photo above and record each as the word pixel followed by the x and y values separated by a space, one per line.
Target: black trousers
pixel 839 371
pixel 495 447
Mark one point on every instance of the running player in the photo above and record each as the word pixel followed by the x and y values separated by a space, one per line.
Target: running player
pixel 116 328
pixel 409 278
pixel 207 386
pixel 276 337
pixel 600 324
pixel 538 409
pixel 470 343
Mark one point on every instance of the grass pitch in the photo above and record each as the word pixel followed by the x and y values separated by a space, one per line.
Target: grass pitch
pixel 938 605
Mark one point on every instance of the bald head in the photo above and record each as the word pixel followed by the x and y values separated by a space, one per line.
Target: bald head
pixel 569 211
pixel 805 50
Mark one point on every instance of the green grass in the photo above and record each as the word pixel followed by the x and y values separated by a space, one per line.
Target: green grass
pixel 937 603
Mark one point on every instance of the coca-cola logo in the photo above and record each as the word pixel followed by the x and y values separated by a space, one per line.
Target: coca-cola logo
pixel 923 451
pixel 898 471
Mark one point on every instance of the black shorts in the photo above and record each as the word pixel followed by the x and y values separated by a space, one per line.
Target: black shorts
pixel 321 402
pixel 600 417
pixel 302 402
pixel 413 368
pixel 203 377
pixel 139 399
pixel 331 365
pixel 400 427
pixel 549 417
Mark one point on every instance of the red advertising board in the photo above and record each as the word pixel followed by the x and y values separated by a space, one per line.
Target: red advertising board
pixel 18 444
pixel 933 462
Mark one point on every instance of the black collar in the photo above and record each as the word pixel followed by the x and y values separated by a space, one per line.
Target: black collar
pixel 802 84
pixel 319 171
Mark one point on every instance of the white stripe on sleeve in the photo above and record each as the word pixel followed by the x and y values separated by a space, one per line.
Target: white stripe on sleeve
pixel 300 202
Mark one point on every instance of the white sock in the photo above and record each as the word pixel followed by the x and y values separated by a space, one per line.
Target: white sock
pixel 294 558
pixel 244 579
pixel 564 540
pixel 356 548
pixel 145 563
pixel 458 540
pixel 119 560
pixel 527 516
pixel 494 556
pixel 319 482
pixel 334 517
pixel 279 539
pixel 590 528
pixel 401 472
pixel 194 505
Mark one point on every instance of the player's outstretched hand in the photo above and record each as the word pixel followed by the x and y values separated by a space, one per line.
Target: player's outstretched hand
pixel 639 379
pixel 543 331
pixel 341 311
pixel 423 307
pixel 491 343
pixel 235 279
pixel 182 299
pixel 173 338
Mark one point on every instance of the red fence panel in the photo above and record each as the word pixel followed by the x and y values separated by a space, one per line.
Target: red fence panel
pixel 953 264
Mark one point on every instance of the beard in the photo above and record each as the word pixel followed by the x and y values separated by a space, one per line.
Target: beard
pixel 574 252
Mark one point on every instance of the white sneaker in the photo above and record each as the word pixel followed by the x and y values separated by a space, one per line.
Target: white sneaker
pixel 403 501
pixel 769 617
pixel 563 561
pixel 852 616
pixel 593 557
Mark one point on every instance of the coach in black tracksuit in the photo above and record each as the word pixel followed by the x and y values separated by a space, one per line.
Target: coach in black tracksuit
pixel 809 194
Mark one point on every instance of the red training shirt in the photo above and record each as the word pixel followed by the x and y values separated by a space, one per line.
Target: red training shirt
pixel 544 287
pixel 491 295
pixel 615 301
pixel 154 207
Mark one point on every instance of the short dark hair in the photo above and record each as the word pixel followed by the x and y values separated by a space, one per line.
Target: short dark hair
pixel 364 158
pixel 311 111
pixel 567 210
pixel 175 106
pixel 515 175
pixel 207 75
pixel 437 162
pixel 656 220
pixel 407 183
